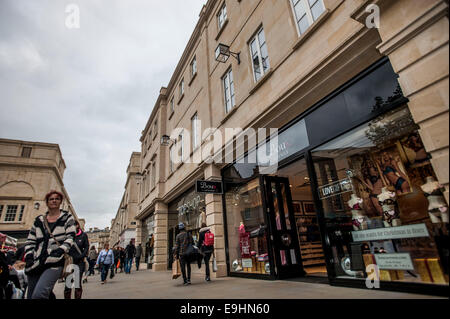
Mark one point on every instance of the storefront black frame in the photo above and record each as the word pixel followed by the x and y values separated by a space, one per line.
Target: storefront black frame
pixel 429 289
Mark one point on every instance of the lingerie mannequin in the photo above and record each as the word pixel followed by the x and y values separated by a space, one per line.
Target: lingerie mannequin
pixel 391 217
pixel 359 219
pixel 437 206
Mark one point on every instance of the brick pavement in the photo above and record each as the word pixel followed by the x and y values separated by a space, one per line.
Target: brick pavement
pixel 145 284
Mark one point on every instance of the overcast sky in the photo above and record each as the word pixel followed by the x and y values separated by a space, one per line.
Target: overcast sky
pixel 89 89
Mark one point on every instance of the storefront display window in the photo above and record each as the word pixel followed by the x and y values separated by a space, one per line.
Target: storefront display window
pixel 247 230
pixel 383 208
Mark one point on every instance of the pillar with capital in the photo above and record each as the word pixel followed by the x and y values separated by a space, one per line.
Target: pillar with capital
pixel 160 248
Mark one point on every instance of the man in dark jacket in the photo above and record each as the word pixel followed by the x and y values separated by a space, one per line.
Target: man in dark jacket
pixel 130 252
pixel 207 250
pixel 182 242
pixel 138 256
pixel 78 253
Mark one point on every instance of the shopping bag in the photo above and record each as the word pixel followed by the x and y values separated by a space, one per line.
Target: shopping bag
pixel 176 269
pixel 214 264
pixel 118 264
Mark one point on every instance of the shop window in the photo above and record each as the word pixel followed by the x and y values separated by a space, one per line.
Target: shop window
pixel 382 203
pixel 306 12
pixel 247 240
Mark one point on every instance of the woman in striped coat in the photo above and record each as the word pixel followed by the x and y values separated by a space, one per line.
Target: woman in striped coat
pixel 44 257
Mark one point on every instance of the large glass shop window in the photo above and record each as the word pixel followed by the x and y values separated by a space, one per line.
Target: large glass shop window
pixel 247 239
pixel 190 210
pixel 384 210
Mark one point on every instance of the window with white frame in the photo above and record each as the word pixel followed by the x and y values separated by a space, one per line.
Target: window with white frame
pixel 181 87
pixel 222 16
pixel 22 208
pixel 180 140
pixel 195 131
pixel 154 173
pixel 306 12
pixel 172 105
pixel 194 66
pixel 1 211
pixel 11 211
pixel 259 54
pixel 228 88
pixel 171 156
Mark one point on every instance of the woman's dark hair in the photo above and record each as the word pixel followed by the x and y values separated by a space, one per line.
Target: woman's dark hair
pixel 204 225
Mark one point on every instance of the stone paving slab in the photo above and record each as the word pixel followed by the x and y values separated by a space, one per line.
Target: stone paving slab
pixel 146 284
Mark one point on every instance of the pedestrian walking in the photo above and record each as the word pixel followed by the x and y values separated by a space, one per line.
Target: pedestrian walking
pixel 105 261
pixel 183 242
pixel 116 252
pixel 138 256
pixel 78 251
pixel 50 237
pixel 122 259
pixel 206 245
pixel 92 259
pixel 130 252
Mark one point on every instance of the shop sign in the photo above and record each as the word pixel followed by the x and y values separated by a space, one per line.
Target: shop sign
pixel 401 261
pixel 209 187
pixel 408 231
pixel 247 263
pixel 336 188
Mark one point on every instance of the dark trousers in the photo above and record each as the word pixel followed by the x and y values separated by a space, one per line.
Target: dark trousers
pixel 91 266
pixel 105 269
pixel 185 264
pixel 206 258
pixel 78 291
pixel 137 260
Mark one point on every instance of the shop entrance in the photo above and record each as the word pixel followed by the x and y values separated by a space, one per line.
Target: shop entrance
pixel 305 218
pixel 283 231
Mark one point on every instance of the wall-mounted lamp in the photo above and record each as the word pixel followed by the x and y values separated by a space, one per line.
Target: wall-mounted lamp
pixel 165 140
pixel 223 53
pixel 37 205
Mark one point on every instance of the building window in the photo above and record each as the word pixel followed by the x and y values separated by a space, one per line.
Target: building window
pixel 180 139
pixel 259 54
pixel 171 157
pixel 228 87
pixel 1 211
pixel 155 129
pixel 11 211
pixel 222 16
pixel 22 208
pixel 172 105
pixel 194 67
pixel 153 174
pixel 181 88
pixel 195 131
pixel 306 12
pixel 26 151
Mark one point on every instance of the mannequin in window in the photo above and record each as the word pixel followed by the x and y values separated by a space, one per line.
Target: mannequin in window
pixel 388 202
pixel 415 143
pixel 373 182
pixel 437 206
pixel 394 174
pixel 359 219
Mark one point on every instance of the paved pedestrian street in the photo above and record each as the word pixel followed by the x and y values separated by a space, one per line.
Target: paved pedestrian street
pixel 145 284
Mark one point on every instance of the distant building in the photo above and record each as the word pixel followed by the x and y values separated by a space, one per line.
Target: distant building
pixel 28 171
pixel 98 237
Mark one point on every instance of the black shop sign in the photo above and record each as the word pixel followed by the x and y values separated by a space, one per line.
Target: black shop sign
pixel 209 187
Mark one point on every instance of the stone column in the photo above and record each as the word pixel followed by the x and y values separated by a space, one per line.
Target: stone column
pixel 415 36
pixel 138 232
pixel 161 237
pixel 214 220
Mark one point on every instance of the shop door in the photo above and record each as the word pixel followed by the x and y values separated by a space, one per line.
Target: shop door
pixel 283 230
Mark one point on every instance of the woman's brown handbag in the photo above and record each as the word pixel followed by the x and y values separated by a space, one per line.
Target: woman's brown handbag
pixel 176 269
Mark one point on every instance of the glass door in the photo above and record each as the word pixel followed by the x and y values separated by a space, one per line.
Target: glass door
pixel 283 229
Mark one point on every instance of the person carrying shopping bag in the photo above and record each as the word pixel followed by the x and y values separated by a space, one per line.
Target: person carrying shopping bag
pixel 183 249
pixel 105 261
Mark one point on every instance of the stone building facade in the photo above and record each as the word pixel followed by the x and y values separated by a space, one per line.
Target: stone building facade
pixel 28 171
pixel 123 226
pixel 290 59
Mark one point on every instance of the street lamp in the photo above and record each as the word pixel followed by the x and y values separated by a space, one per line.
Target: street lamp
pixel 223 53
pixel 165 140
